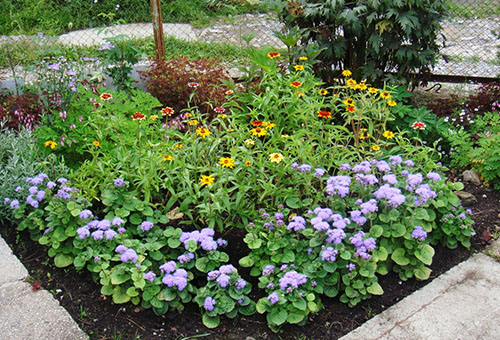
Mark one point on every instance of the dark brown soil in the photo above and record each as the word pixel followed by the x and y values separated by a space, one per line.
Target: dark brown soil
pixel 101 319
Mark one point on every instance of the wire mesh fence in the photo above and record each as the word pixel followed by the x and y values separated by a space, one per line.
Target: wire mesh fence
pixel 470 36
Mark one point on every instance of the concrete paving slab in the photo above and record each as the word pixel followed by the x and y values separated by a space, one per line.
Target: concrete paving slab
pixel 29 315
pixel 96 36
pixel 10 268
pixel 461 304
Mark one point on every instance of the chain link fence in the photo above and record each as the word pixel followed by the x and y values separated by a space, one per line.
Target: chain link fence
pixel 470 44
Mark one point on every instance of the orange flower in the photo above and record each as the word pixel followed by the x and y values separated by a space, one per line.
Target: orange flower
pixel 257 123
pixel 324 114
pixel 248 163
pixel 219 109
pixel 296 84
pixel 167 111
pixel 138 116
pixel 106 96
pixel 229 92
pixel 273 55
pixel 50 144
pixel 96 143
pixel 351 109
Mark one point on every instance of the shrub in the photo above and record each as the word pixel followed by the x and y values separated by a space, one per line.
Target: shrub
pixel 20 111
pixel 172 82
pixel 371 37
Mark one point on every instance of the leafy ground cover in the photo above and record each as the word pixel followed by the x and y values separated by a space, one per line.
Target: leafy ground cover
pixel 194 208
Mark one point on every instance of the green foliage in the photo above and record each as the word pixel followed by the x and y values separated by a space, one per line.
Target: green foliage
pixel 372 38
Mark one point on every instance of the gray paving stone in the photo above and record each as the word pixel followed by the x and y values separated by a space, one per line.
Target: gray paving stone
pixel 34 315
pixel 10 267
pixel 462 304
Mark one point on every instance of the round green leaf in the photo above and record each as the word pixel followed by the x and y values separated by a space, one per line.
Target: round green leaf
pixel 210 321
pixel 425 254
pixel 295 317
pixel 375 289
pixel 398 256
pixel 277 317
pixel 63 260
pixel 246 261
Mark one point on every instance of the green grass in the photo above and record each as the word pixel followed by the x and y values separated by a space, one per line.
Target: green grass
pixel 28 52
pixel 59 16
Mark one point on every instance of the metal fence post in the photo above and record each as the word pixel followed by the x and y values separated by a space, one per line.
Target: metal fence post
pixel 158 30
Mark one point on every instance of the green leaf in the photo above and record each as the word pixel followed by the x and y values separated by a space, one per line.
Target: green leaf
pixel 421 214
pixel 202 264
pixel 375 289
pixel 210 321
pixel 131 291
pixel 295 317
pixel 393 215
pixel 330 267
pixel 63 260
pixel 398 256
pixel 425 254
pixel 119 296
pixel 288 256
pixel 173 242
pixel 331 291
pixel 277 317
pixel 345 255
pixel 422 273
pixel 300 304
pixel 376 231
pixel 246 262
pixel 135 218
pixel 398 230
pixel 380 253
pixel 293 202
pixel 107 290
pixel 118 276
pixel 261 306
pixel 313 306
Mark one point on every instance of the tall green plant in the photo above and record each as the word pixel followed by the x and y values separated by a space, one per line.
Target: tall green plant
pixel 372 37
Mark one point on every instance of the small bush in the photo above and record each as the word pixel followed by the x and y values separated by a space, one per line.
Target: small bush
pixel 173 82
pixel 18 111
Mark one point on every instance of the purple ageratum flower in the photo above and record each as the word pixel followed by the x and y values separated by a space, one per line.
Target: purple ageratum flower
pixel 62 180
pixel 393 195
pixel 283 267
pixel 279 216
pixel 335 236
pixel 433 176
pixel 345 167
pixel 129 255
pixel 51 185
pixel 462 216
pixel 33 190
pixel 357 217
pixel 150 276
pixel 121 230
pixel 106 47
pixel 395 160
pixel 364 167
pixel 104 224
pixel 32 202
pixel 63 194
pixel 6 200
pixel 419 233
pixel 109 234
pixel 362 246
pixel 84 214
pixel 240 284
pixel 270 285
pixel 223 280
pixel 369 207
pixel 350 266
pixel 177 279
pixel 227 269
pixel 338 185
pixel 55 66
pixel 305 168
pixel 20 188
pixel 184 258
pixel 297 223
pixel 119 182
pixel 390 178
pixel 168 267
pixel 425 193
pixel 209 303
pixel 366 179
pixel 120 249
pixel 329 254
pixel 409 163
pixel 117 221
pixel 208 244
pixel 273 298
pixel 146 225
pixel 221 242
pixel 413 180
pixel 295 165
pixel 382 166
pixel 83 232
pixel 214 274
pixel 292 279
pixel 268 270
pixel 326 214
pixel 318 172
pixel 97 235
pixel 269 225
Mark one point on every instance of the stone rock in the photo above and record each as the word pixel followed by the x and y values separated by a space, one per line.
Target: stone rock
pixel 471 176
pixel 466 198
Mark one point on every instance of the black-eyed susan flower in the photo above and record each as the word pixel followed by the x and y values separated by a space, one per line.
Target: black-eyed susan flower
pixel 323 92
pixel 248 163
pixel 299 67
pixel 391 103
pixel 350 109
pixel 372 90
pixel 303 58
pixel 226 162
pixel 268 125
pixel 276 157
pixel 193 122
pixel 375 147
pixel 388 134
pixel 207 180
pixel 50 144
pixel 258 131
pixel 349 102
pixel 203 132
pixel 153 117
pixel 351 82
pixel 346 73
pixel 385 95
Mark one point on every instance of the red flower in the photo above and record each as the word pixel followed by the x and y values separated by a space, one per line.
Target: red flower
pixel 219 109
pixel 351 109
pixel 296 84
pixel 257 123
pixel 138 116
pixel 106 96
pixel 324 114
pixel 419 126
pixel 273 55
pixel 167 111
pixel 193 84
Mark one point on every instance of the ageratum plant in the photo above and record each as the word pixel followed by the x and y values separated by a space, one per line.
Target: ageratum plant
pixel 376 216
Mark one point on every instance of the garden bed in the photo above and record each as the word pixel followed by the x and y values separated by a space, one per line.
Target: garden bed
pixel 101 319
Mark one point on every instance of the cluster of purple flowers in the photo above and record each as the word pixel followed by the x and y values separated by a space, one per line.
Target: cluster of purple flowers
pixel 119 182
pixel 222 277
pixel 185 258
pixel 146 225
pixel 419 233
pixel 338 185
pixel 297 223
pixel 393 195
pixel 209 303
pixel 318 172
pixel 329 254
pixel 174 277
pixel 102 229
pixel 127 254
pixel 363 246
pixel 273 298
pixel 204 237
pixel 292 280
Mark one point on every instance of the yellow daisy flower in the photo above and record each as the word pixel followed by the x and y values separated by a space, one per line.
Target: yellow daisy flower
pixel 346 73
pixel 299 68
pixel 259 132
pixel 203 132
pixel 226 162
pixel 207 180
pixel 323 92
pixel 303 58
pixel 50 144
pixel 168 158
pixel 268 125
pixel 391 103
pixel 372 90
pixel 248 163
pixel 275 157
pixel 375 147
pixel 385 95
pixel 388 134
pixel 193 122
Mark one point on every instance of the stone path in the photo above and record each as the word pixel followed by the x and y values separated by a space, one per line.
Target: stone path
pixel 26 314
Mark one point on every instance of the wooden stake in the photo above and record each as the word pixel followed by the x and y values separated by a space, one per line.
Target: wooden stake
pixel 158 30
